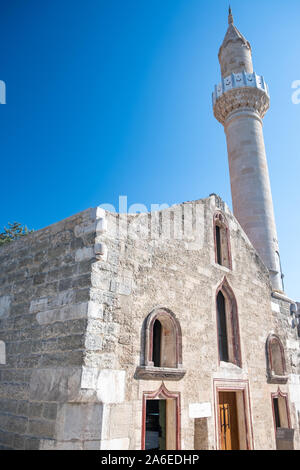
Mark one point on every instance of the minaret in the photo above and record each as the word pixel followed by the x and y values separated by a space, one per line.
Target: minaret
pixel 240 102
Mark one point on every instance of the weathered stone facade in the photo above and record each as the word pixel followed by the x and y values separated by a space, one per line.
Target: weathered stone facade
pixel 110 320
pixel 74 299
pixel 43 316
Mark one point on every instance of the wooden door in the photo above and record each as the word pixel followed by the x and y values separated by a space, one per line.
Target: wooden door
pixel 228 421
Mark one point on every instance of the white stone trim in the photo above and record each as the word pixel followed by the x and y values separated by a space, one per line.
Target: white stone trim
pixel 2 353
pixel 275 307
pixel 108 384
pixel 115 444
pixel 239 80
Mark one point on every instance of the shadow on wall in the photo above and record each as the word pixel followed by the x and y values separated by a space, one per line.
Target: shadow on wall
pixel 201 434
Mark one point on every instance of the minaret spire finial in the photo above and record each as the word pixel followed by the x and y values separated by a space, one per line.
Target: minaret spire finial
pixel 230 16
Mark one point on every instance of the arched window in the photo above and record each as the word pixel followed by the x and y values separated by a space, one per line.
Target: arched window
pixel 227 325
pixel 162 345
pixel 222 328
pixel 156 350
pixel 281 413
pixel 222 241
pixel 276 365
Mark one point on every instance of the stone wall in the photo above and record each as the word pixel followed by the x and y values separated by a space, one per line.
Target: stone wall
pixel 73 302
pixel 44 293
pixel 284 328
pixel 171 264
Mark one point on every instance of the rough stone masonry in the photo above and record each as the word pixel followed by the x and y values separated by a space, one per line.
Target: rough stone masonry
pixel 73 301
pixel 108 320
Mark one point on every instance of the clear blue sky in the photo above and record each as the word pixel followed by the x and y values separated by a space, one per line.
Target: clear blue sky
pixel 109 98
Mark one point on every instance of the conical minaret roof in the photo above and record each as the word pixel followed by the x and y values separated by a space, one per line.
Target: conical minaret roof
pixel 235 53
pixel 233 34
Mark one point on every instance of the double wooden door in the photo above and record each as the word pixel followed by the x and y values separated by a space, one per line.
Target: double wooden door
pixel 228 421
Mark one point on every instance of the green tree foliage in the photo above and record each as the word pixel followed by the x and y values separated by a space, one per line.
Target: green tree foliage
pixel 13 232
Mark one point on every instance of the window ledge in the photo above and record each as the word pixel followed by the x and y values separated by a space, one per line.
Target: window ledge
pixel 277 379
pixel 222 268
pixel 159 373
pixel 231 366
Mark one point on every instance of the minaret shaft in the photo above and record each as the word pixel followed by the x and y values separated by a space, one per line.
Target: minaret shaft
pixel 250 187
pixel 240 103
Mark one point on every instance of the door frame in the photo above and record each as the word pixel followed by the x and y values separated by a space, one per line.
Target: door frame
pixel 232 385
pixel 164 394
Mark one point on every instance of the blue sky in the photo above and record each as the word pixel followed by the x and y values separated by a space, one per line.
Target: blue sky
pixel 109 98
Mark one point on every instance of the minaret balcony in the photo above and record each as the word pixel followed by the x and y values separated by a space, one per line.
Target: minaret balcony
pixel 241 91
pixel 239 80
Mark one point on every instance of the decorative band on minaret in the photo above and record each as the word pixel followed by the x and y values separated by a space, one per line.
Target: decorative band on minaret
pixel 240 102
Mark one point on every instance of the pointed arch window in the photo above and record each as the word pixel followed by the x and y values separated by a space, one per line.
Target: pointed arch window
pixel 222 327
pixel 228 325
pixel 222 241
pixel 162 347
pixel 281 413
pixel 276 365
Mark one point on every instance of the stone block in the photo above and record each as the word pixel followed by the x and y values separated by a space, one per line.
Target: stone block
pixel 35 409
pixel 93 342
pixel 64 313
pixel 32 443
pixel 5 302
pixel 13 424
pixel 100 280
pixel 122 286
pixel 52 444
pixel 55 384
pixel 115 444
pixel 120 420
pixel 95 310
pixel 49 410
pixel 17 390
pixel 111 386
pixel 61 299
pixel 70 342
pixel 38 305
pixel 41 428
pixel 23 408
pixel 82 295
pixel 77 421
pixel 89 378
pixel 19 442
pixel 84 254
pixel 91 445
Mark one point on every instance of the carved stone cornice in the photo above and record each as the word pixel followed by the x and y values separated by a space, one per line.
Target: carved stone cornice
pixel 249 98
